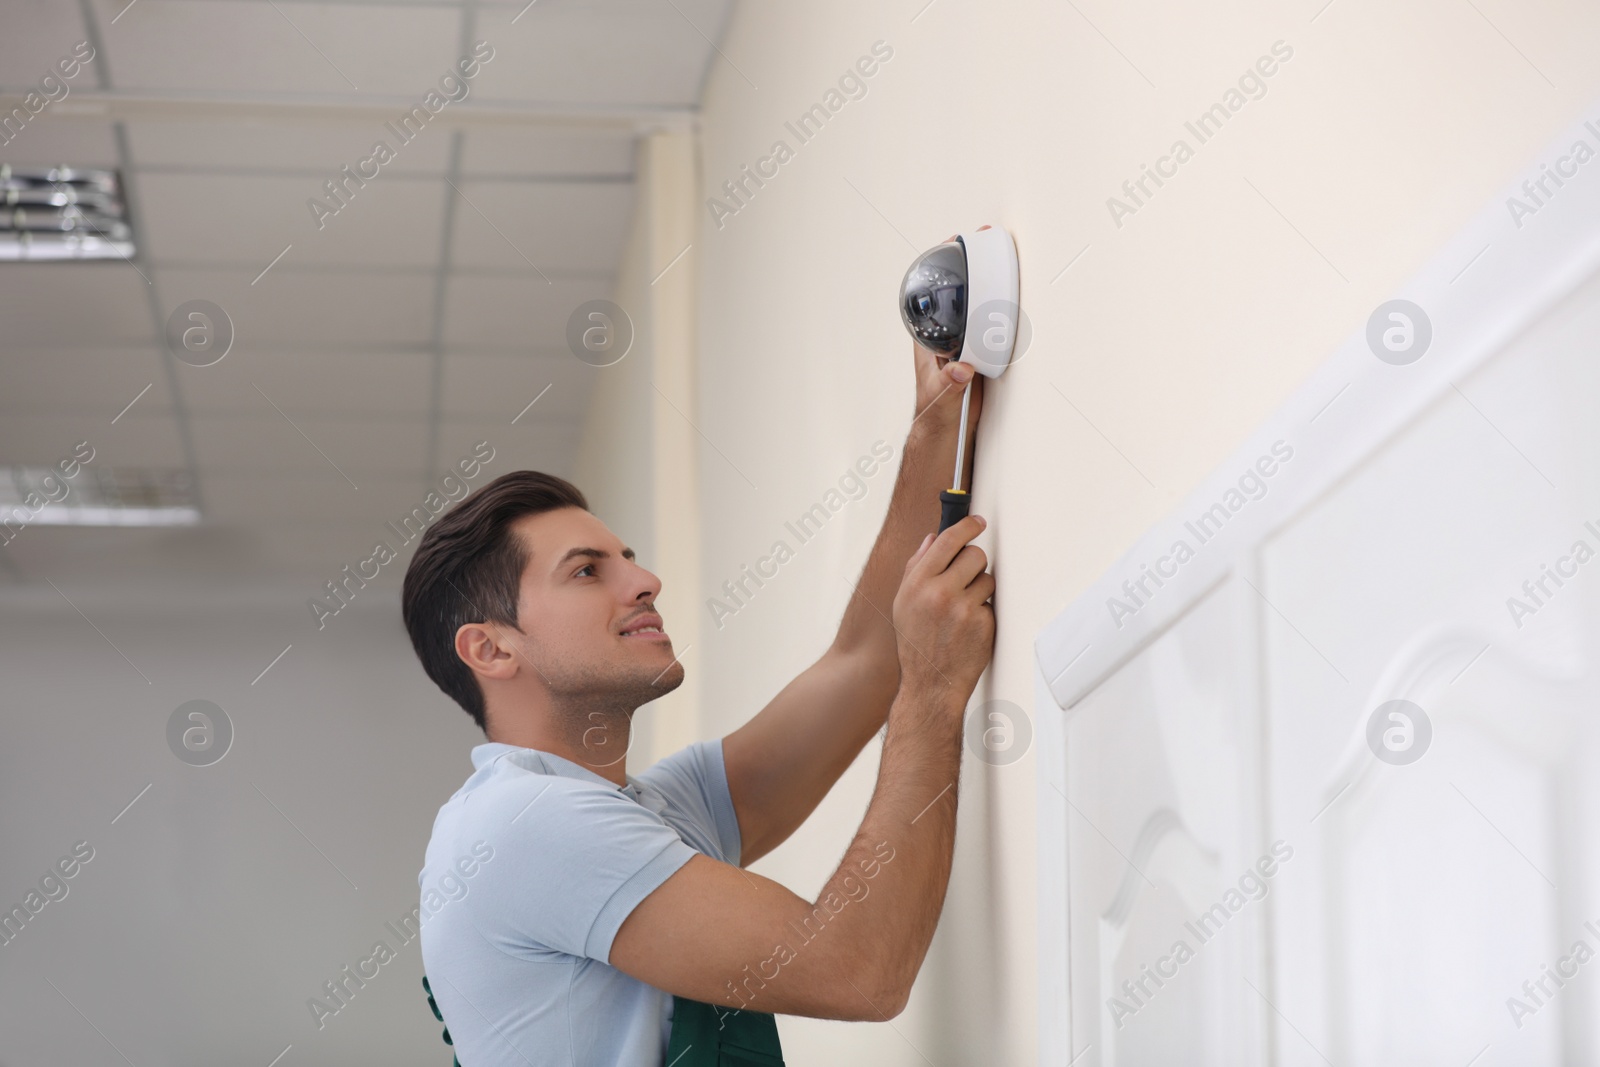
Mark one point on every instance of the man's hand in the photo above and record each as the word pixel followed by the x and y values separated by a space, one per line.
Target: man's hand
pixel 942 614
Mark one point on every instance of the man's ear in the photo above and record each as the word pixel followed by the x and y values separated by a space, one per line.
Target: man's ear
pixel 484 648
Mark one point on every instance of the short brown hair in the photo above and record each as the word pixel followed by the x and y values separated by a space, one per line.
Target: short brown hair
pixel 468 568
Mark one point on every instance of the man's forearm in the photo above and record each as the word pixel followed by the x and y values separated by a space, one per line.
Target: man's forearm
pixel 890 887
pixel 926 465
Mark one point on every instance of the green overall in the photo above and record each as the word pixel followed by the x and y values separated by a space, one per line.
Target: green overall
pixel 703 1035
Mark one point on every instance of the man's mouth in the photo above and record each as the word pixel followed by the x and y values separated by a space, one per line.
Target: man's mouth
pixel 647 628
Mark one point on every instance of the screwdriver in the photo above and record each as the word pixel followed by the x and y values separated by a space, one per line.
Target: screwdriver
pixel 954 502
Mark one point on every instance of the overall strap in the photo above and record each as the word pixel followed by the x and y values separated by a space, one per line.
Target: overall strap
pixel 440 1016
pixel 704 1035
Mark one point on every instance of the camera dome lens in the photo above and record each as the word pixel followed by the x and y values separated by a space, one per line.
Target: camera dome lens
pixel 933 298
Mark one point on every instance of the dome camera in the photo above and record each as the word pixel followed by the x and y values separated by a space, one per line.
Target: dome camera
pixel 959 299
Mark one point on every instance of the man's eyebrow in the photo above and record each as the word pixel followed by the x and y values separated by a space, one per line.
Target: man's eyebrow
pixel 591 553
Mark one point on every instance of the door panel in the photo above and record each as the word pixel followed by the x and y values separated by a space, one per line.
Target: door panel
pixel 1426 894
pixel 1161 791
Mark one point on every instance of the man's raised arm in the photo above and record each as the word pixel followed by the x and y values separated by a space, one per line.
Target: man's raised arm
pixel 783 761
pixel 718 934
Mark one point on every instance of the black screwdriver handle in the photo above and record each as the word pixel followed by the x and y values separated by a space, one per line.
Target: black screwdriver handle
pixel 953 505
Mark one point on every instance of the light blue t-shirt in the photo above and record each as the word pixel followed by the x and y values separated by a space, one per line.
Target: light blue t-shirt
pixel 533 865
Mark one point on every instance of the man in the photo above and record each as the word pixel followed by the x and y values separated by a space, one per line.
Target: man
pixel 574 914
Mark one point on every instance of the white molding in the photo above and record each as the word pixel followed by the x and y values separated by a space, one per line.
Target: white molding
pixel 1053 943
pixel 1484 287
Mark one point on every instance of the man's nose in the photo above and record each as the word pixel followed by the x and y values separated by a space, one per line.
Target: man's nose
pixel 646 585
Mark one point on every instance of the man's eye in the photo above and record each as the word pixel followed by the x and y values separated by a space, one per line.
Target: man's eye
pixel 585 567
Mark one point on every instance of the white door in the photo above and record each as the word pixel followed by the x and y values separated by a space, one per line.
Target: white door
pixel 1433 876
pixel 1344 807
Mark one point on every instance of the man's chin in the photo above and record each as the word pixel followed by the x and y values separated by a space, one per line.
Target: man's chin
pixel 669 678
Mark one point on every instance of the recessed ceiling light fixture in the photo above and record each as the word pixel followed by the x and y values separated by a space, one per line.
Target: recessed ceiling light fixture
pixel 98 496
pixel 62 213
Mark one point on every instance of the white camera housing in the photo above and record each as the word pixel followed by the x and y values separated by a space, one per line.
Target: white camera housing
pixel 959 299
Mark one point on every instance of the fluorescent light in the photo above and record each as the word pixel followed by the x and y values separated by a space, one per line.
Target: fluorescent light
pixel 62 213
pixel 68 516
pixel 96 496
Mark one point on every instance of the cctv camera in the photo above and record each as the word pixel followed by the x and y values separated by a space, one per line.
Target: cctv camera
pixel 933 299
pixel 959 299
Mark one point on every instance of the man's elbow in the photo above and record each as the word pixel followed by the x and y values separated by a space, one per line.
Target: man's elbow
pixel 874 991
pixel 857 1005
pixel 896 991
pixel 887 1003
pixel 865 664
pixel 894 1002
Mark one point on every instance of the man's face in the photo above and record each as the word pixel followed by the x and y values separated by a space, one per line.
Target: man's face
pixel 587 613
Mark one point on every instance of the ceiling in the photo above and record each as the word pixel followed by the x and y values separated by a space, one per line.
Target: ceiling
pixel 371 352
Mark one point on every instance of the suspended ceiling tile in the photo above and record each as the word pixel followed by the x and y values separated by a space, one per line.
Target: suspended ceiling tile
pixel 328 383
pixel 291 47
pixel 95 383
pixel 314 554
pixel 208 218
pixel 618 52
pixel 300 556
pixel 499 387
pixel 270 442
pixel 508 150
pixel 520 447
pixel 252 498
pixel 568 227
pixel 38 33
pixel 275 146
pixel 514 312
pixel 137 440
pixel 74 304
pixel 320 308
pixel 56 138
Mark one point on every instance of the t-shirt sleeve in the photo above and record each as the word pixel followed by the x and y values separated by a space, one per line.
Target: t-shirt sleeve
pixel 572 860
pixel 695 780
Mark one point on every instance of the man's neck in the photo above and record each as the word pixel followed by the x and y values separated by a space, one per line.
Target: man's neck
pixel 594 739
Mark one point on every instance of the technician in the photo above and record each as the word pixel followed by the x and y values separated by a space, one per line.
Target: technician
pixel 612 922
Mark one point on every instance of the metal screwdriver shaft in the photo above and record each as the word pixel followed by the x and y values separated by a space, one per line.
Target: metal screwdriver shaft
pixel 953 502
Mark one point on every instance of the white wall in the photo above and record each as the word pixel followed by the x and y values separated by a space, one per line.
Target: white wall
pixel 1162 345
pixel 225 895
pixel 636 461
